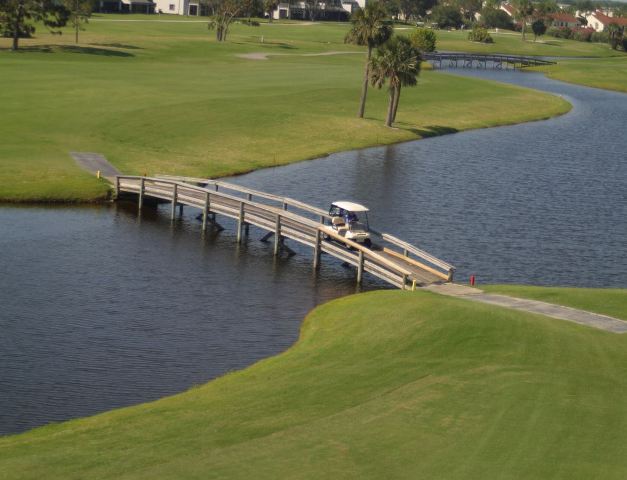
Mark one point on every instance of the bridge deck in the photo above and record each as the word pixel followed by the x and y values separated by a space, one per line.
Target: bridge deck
pixel 286 218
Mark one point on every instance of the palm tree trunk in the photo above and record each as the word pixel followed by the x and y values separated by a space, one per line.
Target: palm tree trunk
pixel 16 28
pixel 364 87
pixel 388 120
pixel 397 96
pixel 524 24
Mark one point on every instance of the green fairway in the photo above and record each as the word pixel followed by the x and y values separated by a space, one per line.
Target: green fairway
pixel 159 95
pixel 607 301
pixel 435 387
pixel 511 43
pixel 607 73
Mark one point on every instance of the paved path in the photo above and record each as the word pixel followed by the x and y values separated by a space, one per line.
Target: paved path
pixel 595 320
pixel 92 162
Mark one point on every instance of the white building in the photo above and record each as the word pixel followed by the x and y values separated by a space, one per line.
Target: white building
pixel 178 7
pixel 599 20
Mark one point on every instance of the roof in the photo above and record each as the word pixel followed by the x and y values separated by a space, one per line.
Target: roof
pixel 564 17
pixel 350 206
pixel 606 20
pixel 508 8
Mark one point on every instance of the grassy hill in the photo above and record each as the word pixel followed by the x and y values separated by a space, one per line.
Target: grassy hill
pixel 434 387
pixel 159 95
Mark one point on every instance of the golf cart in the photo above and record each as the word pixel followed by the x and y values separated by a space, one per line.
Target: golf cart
pixel 351 221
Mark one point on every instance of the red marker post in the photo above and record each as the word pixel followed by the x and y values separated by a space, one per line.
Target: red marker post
pixel 472 280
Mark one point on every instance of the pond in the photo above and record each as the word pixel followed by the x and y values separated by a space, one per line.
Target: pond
pixel 102 308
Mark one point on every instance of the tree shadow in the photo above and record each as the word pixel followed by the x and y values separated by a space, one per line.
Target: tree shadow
pixel 431 130
pixel 104 52
pixel 117 45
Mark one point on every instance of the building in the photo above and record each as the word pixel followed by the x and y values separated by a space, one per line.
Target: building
pixel 126 6
pixel 562 19
pixel 509 9
pixel 178 7
pixel 324 10
pixel 599 20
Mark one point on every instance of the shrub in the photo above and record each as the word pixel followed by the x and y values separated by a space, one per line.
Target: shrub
pixel 582 34
pixel 624 42
pixel 423 39
pixel 480 34
pixel 599 37
pixel 560 32
pixel 493 18
pixel 446 16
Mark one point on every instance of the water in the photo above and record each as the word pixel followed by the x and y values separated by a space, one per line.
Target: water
pixel 540 203
pixel 102 309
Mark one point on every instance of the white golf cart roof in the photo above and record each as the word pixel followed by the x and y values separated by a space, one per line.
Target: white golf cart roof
pixel 350 206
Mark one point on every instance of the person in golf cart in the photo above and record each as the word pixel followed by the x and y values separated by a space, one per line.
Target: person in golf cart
pixel 351 221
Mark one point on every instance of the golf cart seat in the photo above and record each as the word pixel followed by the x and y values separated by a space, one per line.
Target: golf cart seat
pixel 337 221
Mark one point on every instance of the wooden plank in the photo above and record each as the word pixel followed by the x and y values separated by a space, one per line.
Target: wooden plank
pixel 416 263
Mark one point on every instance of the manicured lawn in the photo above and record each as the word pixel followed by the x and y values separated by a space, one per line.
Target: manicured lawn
pixel 511 42
pixel 607 73
pixel 163 97
pixel 608 301
pixel 434 387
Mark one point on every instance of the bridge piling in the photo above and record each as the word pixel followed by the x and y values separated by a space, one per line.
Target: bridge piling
pixel 240 222
pixel 174 199
pixel 317 250
pixel 277 235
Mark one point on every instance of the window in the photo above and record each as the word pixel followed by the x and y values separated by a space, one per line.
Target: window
pixel 172 7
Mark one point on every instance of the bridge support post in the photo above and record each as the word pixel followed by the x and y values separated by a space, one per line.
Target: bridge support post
pixel 240 222
pixel 360 267
pixel 404 286
pixel 117 186
pixel 142 186
pixel 247 225
pixel 174 199
pixel 205 212
pixel 317 250
pixel 277 235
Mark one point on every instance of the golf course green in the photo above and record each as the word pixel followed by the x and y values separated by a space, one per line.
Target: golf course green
pixel 160 95
pixel 434 387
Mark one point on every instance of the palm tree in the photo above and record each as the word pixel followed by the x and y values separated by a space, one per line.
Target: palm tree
pixel 370 28
pixel 398 63
pixel 524 8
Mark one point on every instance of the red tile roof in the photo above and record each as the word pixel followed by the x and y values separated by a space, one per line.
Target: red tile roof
pixel 605 20
pixel 564 17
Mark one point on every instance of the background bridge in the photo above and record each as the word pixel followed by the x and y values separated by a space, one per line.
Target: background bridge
pixel 476 60
pixel 390 259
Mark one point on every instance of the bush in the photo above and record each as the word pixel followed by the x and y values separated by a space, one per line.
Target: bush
pixel 624 42
pixel 599 37
pixel 251 23
pixel 446 16
pixel 480 34
pixel 560 32
pixel 493 18
pixel 539 28
pixel 423 39
pixel 582 34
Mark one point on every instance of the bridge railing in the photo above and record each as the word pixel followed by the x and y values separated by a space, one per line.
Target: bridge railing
pixel 283 223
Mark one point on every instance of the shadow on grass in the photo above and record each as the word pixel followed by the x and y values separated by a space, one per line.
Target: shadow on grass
pixel 117 45
pixel 430 130
pixel 103 52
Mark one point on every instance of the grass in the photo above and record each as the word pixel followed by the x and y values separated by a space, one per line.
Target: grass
pixel 607 301
pixel 163 97
pixel 435 387
pixel 606 73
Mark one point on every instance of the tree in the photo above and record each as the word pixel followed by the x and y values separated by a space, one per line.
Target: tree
pixel 225 12
pixel 446 16
pixel 415 8
pixel 423 40
pixel 270 6
pixel 397 63
pixel 370 27
pixel 17 17
pixel 524 9
pixel 615 35
pixel 469 8
pixel 79 13
pixel 496 18
pixel 539 29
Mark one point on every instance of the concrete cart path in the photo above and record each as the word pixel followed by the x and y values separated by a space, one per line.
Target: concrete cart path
pixel 93 162
pixel 595 320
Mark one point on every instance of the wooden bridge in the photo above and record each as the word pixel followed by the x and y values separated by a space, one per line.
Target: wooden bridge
pixel 389 258
pixel 474 60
